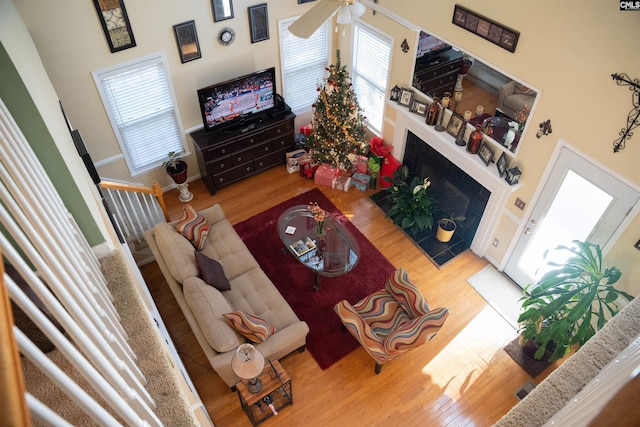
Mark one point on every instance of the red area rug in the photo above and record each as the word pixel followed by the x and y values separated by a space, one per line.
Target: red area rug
pixel 326 341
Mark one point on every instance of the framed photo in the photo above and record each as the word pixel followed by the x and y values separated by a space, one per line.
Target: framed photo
pixel 501 164
pixel 485 153
pixel 187 39
pixel 420 108
pixel 115 24
pixel 455 124
pixel 488 29
pixel 406 97
pixel 259 23
pixel 304 1
pixel 222 9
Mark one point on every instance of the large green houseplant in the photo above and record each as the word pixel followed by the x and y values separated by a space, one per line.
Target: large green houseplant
pixel 412 206
pixel 570 303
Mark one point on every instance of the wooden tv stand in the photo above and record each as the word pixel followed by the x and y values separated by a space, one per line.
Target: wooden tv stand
pixel 227 156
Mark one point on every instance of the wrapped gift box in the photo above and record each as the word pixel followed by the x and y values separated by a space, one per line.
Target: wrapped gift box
pixel 360 181
pixel 325 175
pixel 342 182
pixel 306 130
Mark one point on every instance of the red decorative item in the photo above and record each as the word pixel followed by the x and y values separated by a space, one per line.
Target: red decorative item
pixel 325 175
pixel 474 140
pixel 306 130
pixel 389 166
pixel 377 147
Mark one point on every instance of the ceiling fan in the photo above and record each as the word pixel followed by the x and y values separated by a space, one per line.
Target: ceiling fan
pixel 307 24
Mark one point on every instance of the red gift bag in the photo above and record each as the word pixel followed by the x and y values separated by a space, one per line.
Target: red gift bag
pixel 389 166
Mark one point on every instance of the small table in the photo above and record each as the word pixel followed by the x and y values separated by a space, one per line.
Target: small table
pixel 276 385
pixel 340 253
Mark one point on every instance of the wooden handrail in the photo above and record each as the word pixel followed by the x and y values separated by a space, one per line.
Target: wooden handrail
pixel 12 388
pixel 156 190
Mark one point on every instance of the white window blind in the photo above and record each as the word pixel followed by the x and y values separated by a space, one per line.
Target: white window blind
pixel 304 63
pixel 141 106
pixel 370 72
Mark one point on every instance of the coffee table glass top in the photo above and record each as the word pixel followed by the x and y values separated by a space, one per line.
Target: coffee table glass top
pixel 341 252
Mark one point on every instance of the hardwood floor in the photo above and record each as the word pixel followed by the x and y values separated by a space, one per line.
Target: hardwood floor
pixel 461 378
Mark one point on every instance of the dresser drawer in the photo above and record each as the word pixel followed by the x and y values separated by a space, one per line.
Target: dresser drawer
pixel 219 165
pixel 233 174
pixel 249 140
pixel 277 131
pixel 268 161
pixel 282 142
pixel 219 151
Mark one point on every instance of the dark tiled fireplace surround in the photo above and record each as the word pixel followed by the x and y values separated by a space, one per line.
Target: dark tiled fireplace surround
pixel 456 192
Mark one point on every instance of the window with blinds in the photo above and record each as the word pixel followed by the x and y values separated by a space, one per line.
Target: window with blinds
pixel 304 63
pixel 141 106
pixel 371 57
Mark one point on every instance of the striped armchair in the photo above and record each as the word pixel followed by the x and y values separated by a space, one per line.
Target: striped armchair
pixel 393 320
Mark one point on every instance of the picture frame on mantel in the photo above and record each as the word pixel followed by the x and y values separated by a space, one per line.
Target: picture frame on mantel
pixel 488 29
pixel 259 22
pixel 115 24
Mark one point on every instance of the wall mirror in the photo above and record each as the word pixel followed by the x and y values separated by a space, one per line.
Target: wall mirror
pixel 498 102
pixel 222 9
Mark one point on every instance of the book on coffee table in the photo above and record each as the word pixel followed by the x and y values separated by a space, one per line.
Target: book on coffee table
pixel 303 246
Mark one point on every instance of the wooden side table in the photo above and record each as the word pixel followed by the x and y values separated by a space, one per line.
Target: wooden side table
pixel 276 386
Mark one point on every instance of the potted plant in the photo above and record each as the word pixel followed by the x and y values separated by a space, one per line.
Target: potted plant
pixel 447 226
pixel 412 205
pixel 176 168
pixel 570 303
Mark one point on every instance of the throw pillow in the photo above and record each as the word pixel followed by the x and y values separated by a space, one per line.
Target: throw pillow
pixel 254 328
pixel 520 88
pixel 193 226
pixel 211 271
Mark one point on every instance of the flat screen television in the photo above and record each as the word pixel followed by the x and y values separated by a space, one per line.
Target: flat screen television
pixel 239 101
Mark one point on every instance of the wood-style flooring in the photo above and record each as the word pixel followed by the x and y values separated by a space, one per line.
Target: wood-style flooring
pixel 461 378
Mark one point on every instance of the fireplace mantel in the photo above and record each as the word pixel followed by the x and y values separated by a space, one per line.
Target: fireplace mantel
pixel 473 165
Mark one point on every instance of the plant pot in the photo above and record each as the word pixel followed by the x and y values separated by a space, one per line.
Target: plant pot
pixel 446 228
pixel 530 347
pixel 179 173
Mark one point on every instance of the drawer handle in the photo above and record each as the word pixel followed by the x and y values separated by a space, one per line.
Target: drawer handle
pixel 223 151
pixel 279 131
pixel 239 159
pixel 251 141
pixel 261 164
pixel 221 165
pixel 248 169
pixel 220 179
pixel 266 148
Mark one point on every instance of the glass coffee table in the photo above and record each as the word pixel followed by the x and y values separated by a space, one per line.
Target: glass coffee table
pixel 337 255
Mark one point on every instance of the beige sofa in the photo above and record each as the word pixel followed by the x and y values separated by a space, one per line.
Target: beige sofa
pixel 204 305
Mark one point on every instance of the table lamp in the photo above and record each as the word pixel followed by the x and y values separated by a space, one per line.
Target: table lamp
pixel 248 363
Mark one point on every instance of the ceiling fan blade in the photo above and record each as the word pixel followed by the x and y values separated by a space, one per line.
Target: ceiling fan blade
pixel 308 23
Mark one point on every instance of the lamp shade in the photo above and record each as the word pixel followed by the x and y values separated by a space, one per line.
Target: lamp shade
pixel 248 362
pixel 357 9
pixel 344 15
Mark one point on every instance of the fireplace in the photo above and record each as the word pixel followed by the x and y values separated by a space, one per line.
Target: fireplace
pixel 456 192
pixel 461 181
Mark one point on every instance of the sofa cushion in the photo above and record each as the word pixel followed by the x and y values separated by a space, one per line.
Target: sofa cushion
pixel 193 226
pixel 252 327
pixel 177 252
pixel 211 272
pixel 225 246
pixel 208 307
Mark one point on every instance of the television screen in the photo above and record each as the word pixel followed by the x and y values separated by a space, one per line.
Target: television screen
pixel 231 102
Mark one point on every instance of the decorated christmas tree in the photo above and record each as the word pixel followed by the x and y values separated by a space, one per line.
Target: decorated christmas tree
pixel 338 125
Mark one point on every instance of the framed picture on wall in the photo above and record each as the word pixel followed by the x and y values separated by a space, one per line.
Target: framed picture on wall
pixel 259 23
pixel 187 39
pixel 222 9
pixel 115 24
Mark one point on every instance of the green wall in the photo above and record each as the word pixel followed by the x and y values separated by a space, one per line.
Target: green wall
pixel 21 106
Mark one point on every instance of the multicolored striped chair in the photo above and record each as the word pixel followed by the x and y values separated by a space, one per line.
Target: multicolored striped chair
pixel 393 320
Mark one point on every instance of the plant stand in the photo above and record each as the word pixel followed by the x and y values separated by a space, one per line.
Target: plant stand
pixel 185 195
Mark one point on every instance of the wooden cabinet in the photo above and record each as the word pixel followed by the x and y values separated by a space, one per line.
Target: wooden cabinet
pixel 436 75
pixel 225 157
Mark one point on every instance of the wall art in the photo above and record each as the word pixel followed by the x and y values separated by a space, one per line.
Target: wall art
pixel 115 24
pixel 259 23
pixel 187 39
pixel 222 9
pixel 486 28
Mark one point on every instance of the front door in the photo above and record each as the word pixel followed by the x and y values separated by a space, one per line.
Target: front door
pixel 580 201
